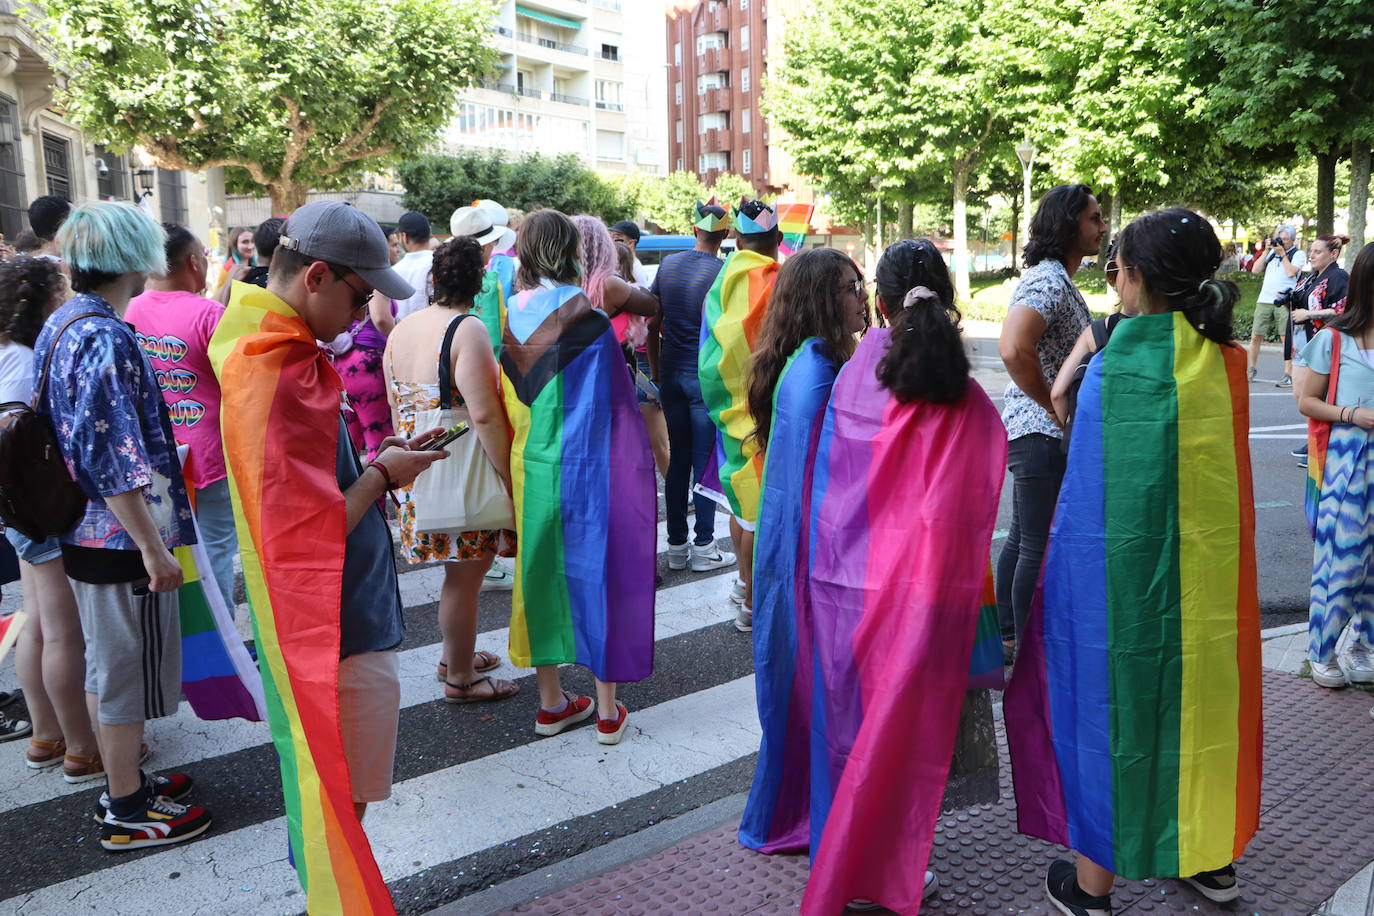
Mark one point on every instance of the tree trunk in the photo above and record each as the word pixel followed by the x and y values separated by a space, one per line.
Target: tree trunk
pixel 1326 192
pixel 1359 196
pixel 286 197
pixel 962 288
pixel 904 230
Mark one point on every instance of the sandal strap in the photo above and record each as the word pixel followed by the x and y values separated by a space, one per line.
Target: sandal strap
pixel 83 759
pixel 485 677
pixel 43 744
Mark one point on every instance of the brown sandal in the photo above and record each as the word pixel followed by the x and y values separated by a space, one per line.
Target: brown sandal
pixel 486 661
pixel 497 692
pixel 49 754
pixel 87 768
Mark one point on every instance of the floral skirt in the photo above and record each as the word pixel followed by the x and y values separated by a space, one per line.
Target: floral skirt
pixel 369 421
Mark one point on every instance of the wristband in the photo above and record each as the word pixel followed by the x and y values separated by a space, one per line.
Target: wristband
pixel 386 475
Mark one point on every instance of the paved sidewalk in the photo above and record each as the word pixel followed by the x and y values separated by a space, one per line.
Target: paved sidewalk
pixel 1317 749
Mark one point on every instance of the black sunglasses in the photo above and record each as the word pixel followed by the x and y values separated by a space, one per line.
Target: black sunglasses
pixel 361 297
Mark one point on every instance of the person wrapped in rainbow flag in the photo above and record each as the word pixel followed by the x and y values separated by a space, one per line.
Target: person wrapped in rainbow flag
pixel 1133 715
pixel 732 318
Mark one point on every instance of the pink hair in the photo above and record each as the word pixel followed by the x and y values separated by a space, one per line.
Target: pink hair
pixel 599 260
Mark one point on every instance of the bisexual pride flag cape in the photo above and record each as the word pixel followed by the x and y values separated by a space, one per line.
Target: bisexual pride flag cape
pixel 900 517
pixel 280 419
pixel 1133 715
pixel 583 474
pixel 731 321
pixel 776 816
pixel 218 678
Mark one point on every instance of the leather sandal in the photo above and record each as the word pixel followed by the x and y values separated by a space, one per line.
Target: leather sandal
pixel 43 753
pixel 79 768
pixel 486 661
pixel 498 693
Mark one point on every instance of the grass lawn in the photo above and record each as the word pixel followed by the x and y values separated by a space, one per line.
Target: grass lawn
pixel 992 297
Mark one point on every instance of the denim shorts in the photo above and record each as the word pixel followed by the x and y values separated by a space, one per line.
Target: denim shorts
pixel 34 552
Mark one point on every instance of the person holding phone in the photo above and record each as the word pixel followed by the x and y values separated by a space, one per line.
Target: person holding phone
pixel 411 366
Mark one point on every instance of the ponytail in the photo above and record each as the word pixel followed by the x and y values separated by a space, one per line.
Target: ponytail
pixel 1176 253
pixel 925 357
pixel 1209 309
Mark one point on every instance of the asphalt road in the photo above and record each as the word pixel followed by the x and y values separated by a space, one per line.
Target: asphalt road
pixel 1282 543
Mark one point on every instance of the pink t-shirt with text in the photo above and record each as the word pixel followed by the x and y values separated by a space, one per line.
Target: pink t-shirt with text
pixel 174 329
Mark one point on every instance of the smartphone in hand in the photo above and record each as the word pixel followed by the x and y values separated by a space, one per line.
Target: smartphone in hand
pixel 444 438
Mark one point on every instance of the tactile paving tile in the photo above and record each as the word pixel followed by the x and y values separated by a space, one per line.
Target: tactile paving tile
pixel 1316 743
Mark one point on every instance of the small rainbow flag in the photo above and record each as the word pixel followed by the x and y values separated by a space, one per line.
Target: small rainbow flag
pixel 1133 714
pixel 794 221
pixel 280 418
pixel 10 625
pixel 490 306
pixel 1319 434
pixel 776 818
pixel 897 562
pixel 583 477
pixel 732 318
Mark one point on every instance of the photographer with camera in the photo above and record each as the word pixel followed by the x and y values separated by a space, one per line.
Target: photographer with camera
pixel 1280 265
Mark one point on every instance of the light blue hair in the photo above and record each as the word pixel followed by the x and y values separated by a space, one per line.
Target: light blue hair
pixel 112 238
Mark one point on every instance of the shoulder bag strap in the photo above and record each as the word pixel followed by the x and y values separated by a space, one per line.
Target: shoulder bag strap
pixel 446 364
pixel 52 348
pixel 1335 367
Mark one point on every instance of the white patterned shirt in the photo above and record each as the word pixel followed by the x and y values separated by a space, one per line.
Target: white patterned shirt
pixel 1049 290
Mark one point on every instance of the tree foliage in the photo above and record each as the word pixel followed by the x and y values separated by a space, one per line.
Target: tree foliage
pixel 287 96
pixel 668 203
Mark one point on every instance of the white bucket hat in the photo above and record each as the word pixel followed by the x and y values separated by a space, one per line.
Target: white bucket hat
pixel 484 221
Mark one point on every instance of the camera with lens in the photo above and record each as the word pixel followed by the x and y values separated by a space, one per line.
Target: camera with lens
pixel 1277 241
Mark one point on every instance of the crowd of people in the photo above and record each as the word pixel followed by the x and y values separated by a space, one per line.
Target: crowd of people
pixel 329 377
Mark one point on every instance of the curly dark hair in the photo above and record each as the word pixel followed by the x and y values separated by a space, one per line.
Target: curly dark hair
pixel 806 302
pixel 1176 254
pixel 458 272
pixel 30 288
pixel 1054 227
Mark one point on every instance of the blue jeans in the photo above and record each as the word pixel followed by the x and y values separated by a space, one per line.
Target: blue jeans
pixel 215 516
pixel 691 437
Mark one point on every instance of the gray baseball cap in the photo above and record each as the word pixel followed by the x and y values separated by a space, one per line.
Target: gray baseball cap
pixel 333 231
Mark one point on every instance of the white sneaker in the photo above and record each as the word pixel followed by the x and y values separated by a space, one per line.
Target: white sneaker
pixel 737 592
pixel 677 556
pixel 707 558
pixel 744 620
pixel 1359 664
pixel 499 578
pixel 865 906
pixel 1326 674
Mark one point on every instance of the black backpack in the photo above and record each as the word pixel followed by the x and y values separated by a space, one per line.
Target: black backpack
pixel 38 497
pixel 1102 330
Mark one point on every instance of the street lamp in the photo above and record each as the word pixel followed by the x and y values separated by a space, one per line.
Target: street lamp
pixel 1025 151
pixel 146 178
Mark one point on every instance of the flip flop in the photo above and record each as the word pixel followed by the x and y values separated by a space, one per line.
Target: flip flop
pixel 497 694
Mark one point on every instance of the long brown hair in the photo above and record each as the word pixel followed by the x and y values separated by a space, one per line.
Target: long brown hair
pixel 805 303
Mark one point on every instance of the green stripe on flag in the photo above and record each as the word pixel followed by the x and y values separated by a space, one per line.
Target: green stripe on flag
pixel 548 610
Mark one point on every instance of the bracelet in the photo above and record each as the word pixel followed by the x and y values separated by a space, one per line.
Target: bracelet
pixel 386 475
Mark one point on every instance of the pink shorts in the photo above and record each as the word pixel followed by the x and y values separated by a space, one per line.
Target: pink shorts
pixel 369 714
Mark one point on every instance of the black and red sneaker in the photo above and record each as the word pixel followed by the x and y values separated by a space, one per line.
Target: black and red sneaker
pixel 552 723
pixel 610 731
pixel 159 822
pixel 175 786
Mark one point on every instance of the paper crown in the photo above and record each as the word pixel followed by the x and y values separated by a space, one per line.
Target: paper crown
pixel 707 221
pixel 765 219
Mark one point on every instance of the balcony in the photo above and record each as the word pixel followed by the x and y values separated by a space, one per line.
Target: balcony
pixel 549 43
pixel 569 99
pixel 715 140
pixel 529 93
pixel 497 87
pixel 715 60
pixel 716 100
pixel 609 106
pixel 613 55
pixel 611 6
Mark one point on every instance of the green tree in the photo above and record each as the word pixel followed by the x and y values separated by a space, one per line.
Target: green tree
pixel 887 96
pixel 287 96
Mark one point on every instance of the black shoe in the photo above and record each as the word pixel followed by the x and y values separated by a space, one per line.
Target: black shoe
pixel 8 696
pixel 1218 885
pixel 11 729
pixel 175 786
pixel 158 822
pixel 1300 451
pixel 1061 886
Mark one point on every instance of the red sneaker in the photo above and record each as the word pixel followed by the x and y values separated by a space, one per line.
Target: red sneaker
pixel 610 731
pixel 551 723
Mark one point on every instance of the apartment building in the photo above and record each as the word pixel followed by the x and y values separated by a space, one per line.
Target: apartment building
pixel 575 76
pixel 718 56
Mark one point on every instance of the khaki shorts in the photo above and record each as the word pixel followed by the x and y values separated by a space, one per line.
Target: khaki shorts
pixel 369 714
pixel 1268 315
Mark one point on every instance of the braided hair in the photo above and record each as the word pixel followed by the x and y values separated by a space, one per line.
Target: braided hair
pixel 30 289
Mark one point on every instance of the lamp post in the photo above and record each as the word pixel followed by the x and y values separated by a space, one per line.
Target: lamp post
pixel 1025 151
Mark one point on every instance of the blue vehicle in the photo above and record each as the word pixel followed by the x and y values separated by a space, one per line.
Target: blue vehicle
pixel 652 249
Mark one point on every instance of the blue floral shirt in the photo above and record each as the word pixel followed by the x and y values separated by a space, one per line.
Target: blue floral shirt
pixel 112 425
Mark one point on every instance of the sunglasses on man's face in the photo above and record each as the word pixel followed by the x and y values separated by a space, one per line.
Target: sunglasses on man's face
pixel 361 297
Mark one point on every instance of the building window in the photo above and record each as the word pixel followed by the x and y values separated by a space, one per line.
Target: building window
pixel 744 80
pixel 748 164
pixel 744 4
pixel 57 165
pixel 715 120
pixel 13 216
pixel 608 95
pixel 708 161
pixel 610 52
pixel 679 163
pixel 610 144
pixel 171 189
pixel 677 130
pixel 744 120
pixel 710 41
pixel 710 81
pixel 677 91
pixel 744 38
pixel 112 182
pixel 677 54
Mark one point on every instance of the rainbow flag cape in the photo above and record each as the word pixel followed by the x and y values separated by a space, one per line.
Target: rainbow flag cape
pixel 583 475
pixel 10 625
pixel 280 423
pixel 1133 714
pixel 731 320
pixel 794 221
pixel 218 677
pixel 1319 440
pixel 900 517
pixel 776 818
pixel 490 306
